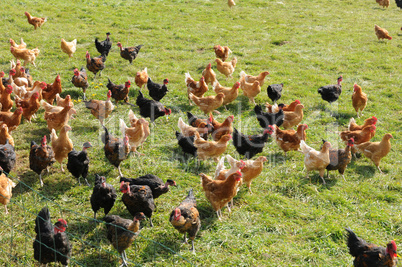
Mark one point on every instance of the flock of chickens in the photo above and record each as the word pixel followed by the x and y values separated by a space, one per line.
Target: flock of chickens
pixel 202 137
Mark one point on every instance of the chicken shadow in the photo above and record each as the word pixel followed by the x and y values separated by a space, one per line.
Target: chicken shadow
pixel 315 179
pixel 364 171
pixel 75 94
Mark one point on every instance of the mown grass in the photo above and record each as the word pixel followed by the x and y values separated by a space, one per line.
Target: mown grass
pixel 288 220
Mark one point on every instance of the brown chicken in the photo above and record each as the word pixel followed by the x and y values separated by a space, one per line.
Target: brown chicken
pixel 35 21
pixel 132 118
pixel 186 219
pixel 68 47
pixel 119 91
pixel 24 79
pixel 360 136
pixel 188 130
pixel 359 100
pixel 210 149
pixel 52 109
pixel 231 3
pixel 99 108
pixel 80 79
pixel 220 192
pixel 38 87
pixel 141 78
pixel 6 187
pixel 252 169
pixel 27 55
pixel 383 3
pixel 61 145
pixel 116 149
pixel 230 93
pixel 316 160
pixel 5 135
pixel 340 158
pixel 209 74
pixel 293 118
pixel 56 120
pixel 275 108
pixel 208 104
pixel 63 102
pixel 22 44
pixel 11 119
pixel 222 52
pixel 289 140
pixel 367 122
pixel 137 133
pixel 95 64
pixel 250 90
pixel 251 79
pixel 376 150
pixel 5 99
pixel 226 68
pixel 52 89
pixel 381 33
pixel 196 88
pixel 2 86
pixel 29 106
pixel 235 165
pixel 221 129
pixel 40 157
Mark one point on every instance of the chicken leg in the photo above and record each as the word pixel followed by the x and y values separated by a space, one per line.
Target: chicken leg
pixel 5 207
pixel 40 178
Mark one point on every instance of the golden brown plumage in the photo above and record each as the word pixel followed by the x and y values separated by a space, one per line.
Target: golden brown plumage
pixel 20 46
pixel 196 88
pixel 340 158
pixel 56 120
pixel 367 122
pixel 209 74
pixel 230 93
pixel 6 186
pixel 383 3
pixel 226 68
pixel 27 55
pixel 210 149
pixel 359 100
pixel 250 79
pixel 293 118
pixel 250 90
pixel 188 130
pixel 29 106
pixel 381 33
pixel 275 108
pixel 289 140
pixel 61 144
pixel 252 169
pixel 52 89
pixel 137 133
pixel 5 135
pixel 209 103
pixel 221 129
pixel 35 21
pixel 69 47
pixel 231 3
pixel 5 99
pixel 360 136
pixel 222 52
pixel 11 119
pixel 99 108
pixel 316 160
pixel 141 78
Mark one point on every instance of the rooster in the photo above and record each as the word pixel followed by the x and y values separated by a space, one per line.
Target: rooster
pixel 104 46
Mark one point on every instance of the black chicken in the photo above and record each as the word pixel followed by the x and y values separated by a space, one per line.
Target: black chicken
pixel 119 91
pixel 103 195
pixel 370 255
pixel 78 162
pixel 116 150
pixel 157 91
pixel 265 118
pixel 250 145
pixel 331 93
pixel 41 157
pixel 138 198
pixel 186 144
pixel 399 4
pixel 51 242
pixel 158 187
pixel 95 64
pixel 129 53
pixel 122 232
pixel 7 157
pixel 150 108
pixel 186 219
pixel 274 91
pixel 104 46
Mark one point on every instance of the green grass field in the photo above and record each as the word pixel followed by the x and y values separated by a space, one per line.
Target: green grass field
pixel 288 221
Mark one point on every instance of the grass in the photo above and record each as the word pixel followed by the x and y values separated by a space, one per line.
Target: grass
pixel 288 221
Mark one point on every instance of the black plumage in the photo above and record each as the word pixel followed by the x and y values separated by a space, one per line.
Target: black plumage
pixel 103 195
pixel 398 4
pixel 331 93
pixel 40 157
pixel 78 162
pixel 150 108
pixel 7 157
pixel 274 91
pixel 104 46
pixel 156 184
pixel 129 53
pixel 265 119
pixel 250 145
pixel 157 91
pixel 186 144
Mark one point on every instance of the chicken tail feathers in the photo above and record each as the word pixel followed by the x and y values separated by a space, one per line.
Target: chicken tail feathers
pixel 106 137
pixel 355 244
pixel 351 121
pixel 123 127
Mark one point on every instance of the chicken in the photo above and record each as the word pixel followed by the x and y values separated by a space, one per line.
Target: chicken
pixel 122 232
pixel 116 150
pixel 104 46
pixel 221 129
pixel 68 47
pixel 99 108
pixel 27 55
pixel 398 4
pixel 157 91
pixel 157 186
pixel 316 160
pixel 150 108
pixel 186 144
pixel 2 87
pixel 226 68
pixel 376 150
pixel 210 149
pixel 5 136
pixel 360 136
pixel 35 21
pixel 275 108
pixel 7 157
pixel 55 109
pixel 52 89
pixel 359 100
pixel 250 90
pixel 138 198
pixel 95 64
pixel 340 158
pixel 6 187
pixel 38 87
pixel 289 140
pixel 208 104
pixel 230 94
pixel 367 254
pixel 137 134
pixel 293 118
pixel 250 145
pixel 383 3
pixel 274 91
pixel 119 91
pixel 265 119
pixel 24 79
pixel 331 93
pixel 231 3
pixel 250 79
pixel 367 122
pixel 80 79
pixel 252 169
pixel 132 118
pixel 29 106
pixel 196 88
pixel 220 192
pixel 129 53
pixel 209 75
pixel 235 165
pixel 222 52
pixel 51 242
pixel 188 130
pixel 63 102
pixel 22 44
pixel 61 144
pixel 103 195
pixel 185 218
pixel 198 122
pixel 78 162
pixel 5 99
pixel 141 78
pixel 11 119
pixel 56 120
pixel 40 157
